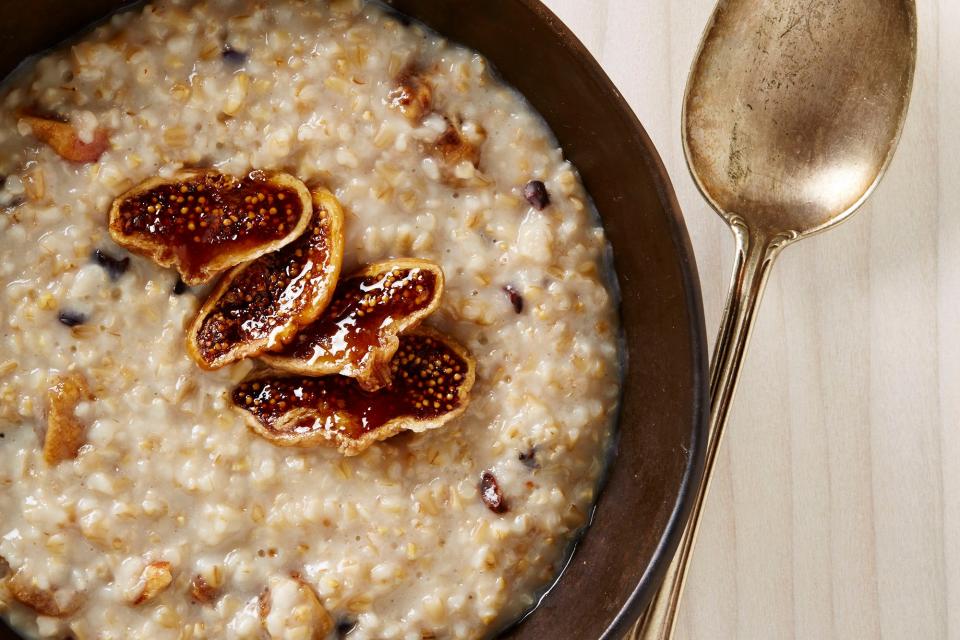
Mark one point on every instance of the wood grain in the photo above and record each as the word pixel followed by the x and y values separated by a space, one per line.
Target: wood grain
pixel 836 508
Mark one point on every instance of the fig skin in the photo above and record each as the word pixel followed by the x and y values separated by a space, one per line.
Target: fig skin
pixel 310 289
pixel 199 261
pixel 334 411
pixel 369 362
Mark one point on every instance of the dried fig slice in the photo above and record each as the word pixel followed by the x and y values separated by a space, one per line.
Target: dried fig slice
pixel 65 432
pixel 412 96
pixel 260 305
pixel 202 221
pixel 63 139
pixel 44 600
pixel 432 377
pixel 357 334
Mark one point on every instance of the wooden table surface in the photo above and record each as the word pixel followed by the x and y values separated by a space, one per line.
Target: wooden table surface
pixel 836 508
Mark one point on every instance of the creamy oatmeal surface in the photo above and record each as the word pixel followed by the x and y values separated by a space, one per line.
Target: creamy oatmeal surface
pixel 174 517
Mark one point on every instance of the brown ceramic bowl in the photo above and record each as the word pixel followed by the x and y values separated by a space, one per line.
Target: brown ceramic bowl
pixel 659 456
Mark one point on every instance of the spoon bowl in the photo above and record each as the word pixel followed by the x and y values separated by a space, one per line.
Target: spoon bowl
pixel 793 107
pixel 792 113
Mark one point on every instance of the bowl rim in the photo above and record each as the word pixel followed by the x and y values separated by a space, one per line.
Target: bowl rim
pixel 640 597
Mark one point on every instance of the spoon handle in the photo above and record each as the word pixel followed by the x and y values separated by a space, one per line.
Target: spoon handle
pixel 756 253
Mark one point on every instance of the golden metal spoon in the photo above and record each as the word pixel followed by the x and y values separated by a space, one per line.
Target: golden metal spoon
pixel 792 113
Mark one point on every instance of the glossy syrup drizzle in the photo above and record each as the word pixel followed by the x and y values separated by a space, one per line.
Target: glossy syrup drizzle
pixel 428 376
pixel 269 293
pixel 197 217
pixel 361 309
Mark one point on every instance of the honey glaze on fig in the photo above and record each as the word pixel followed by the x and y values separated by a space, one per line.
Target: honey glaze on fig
pixel 361 307
pixel 428 381
pixel 195 217
pixel 269 292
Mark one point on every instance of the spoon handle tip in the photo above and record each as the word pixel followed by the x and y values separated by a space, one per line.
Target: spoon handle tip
pixel 756 254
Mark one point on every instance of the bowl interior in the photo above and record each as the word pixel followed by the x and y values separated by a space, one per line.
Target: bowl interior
pixel 662 425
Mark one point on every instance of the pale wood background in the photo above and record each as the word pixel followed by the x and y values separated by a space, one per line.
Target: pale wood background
pixel 836 509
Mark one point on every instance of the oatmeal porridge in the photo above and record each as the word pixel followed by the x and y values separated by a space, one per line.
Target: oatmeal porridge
pixel 159 478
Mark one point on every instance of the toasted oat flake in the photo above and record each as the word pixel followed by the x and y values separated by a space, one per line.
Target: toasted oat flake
pixel 7 367
pixel 63 138
pixel 412 95
pixel 154 579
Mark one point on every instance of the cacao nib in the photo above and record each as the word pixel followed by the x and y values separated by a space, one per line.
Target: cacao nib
pixel 233 56
pixel 529 458
pixel 115 267
pixel 345 626
pixel 515 298
pixel 71 318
